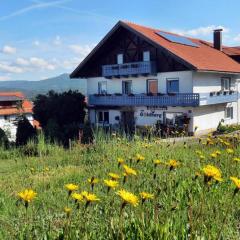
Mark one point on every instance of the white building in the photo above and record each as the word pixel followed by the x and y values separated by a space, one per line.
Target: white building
pixel 138 76
pixel 12 105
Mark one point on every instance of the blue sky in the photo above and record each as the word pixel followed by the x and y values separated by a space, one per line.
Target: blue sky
pixel 43 38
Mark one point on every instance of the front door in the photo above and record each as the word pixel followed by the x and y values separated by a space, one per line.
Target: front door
pixel 128 122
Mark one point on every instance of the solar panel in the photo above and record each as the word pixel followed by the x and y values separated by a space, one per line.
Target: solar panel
pixel 177 39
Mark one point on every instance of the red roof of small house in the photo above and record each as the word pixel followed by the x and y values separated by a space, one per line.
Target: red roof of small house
pixel 27 105
pixel 202 58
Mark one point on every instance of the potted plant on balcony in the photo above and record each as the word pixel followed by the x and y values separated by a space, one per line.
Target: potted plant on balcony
pixel 131 95
pixel 231 92
pixel 118 94
pixel 160 94
pixel 218 93
pixel 171 94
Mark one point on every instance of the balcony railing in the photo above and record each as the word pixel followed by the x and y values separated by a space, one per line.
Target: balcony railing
pixel 180 99
pixel 126 69
pixel 218 97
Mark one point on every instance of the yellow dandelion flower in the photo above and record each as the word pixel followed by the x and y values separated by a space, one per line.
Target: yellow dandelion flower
pixel 236 159
pixel 218 152
pixel 93 180
pixel 211 172
pixel 129 171
pixel 236 181
pixel 172 163
pixel 111 184
pixel 90 198
pixel 202 157
pixel 144 196
pixel 120 161
pixel 77 197
pixel 84 193
pixel 157 162
pixel 68 211
pixel 213 155
pixel 71 187
pixel 139 157
pixel 128 198
pixel 27 196
pixel 227 144
pixel 114 176
pixel 230 151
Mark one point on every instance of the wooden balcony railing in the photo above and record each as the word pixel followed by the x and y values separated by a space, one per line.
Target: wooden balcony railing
pixel 180 99
pixel 126 69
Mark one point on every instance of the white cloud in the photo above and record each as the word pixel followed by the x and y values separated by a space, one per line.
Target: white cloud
pixel 72 63
pixel 200 31
pixel 22 61
pixel 41 63
pixel 9 68
pixel 81 50
pixel 57 41
pixel 9 49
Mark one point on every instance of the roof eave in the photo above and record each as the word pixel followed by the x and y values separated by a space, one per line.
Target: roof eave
pixel 218 71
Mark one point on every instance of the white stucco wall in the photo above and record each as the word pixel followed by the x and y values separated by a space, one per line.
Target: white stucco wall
pixel 9 126
pixel 210 82
pixel 139 84
pixel 208 117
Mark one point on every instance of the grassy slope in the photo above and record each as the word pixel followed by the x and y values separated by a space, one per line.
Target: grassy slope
pixel 183 206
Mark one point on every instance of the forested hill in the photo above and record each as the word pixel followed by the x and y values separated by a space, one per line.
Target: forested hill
pixel 32 88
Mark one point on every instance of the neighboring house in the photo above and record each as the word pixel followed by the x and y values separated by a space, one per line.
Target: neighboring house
pixel 12 105
pixel 140 76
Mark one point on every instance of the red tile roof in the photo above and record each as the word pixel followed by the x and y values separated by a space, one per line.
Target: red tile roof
pixel 27 106
pixel 204 57
pixel 15 94
pixel 232 51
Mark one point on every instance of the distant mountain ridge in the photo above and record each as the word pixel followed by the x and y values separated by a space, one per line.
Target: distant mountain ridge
pixel 32 88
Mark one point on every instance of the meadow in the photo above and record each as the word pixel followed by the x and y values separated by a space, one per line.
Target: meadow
pixel 121 189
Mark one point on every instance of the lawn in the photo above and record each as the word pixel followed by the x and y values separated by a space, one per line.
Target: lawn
pixel 183 199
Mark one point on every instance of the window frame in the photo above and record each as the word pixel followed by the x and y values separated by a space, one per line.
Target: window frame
pixel 103 116
pixel 100 91
pixel 172 80
pixel 228 113
pixel 223 81
pixel 120 56
pixel 146 58
pixel 148 88
pixel 124 89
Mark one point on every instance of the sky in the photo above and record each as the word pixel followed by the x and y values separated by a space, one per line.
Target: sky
pixel 40 39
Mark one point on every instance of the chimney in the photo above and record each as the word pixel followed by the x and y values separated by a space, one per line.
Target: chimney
pixel 217 39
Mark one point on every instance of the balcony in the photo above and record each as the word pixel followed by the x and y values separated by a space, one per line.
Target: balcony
pixel 129 69
pixel 163 100
pixel 218 97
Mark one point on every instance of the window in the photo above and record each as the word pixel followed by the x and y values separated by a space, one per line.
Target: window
pixel 226 84
pixel 172 86
pixel 120 58
pixel 146 56
pixel 152 86
pixel 102 87
pixel 127 87
pixel 229 112
pixel 103 117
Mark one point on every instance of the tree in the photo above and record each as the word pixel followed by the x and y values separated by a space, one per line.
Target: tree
pixel 60 114
pixel 25 131
pixel 4 142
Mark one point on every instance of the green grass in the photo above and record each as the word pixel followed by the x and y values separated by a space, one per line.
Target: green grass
pixel 184 207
